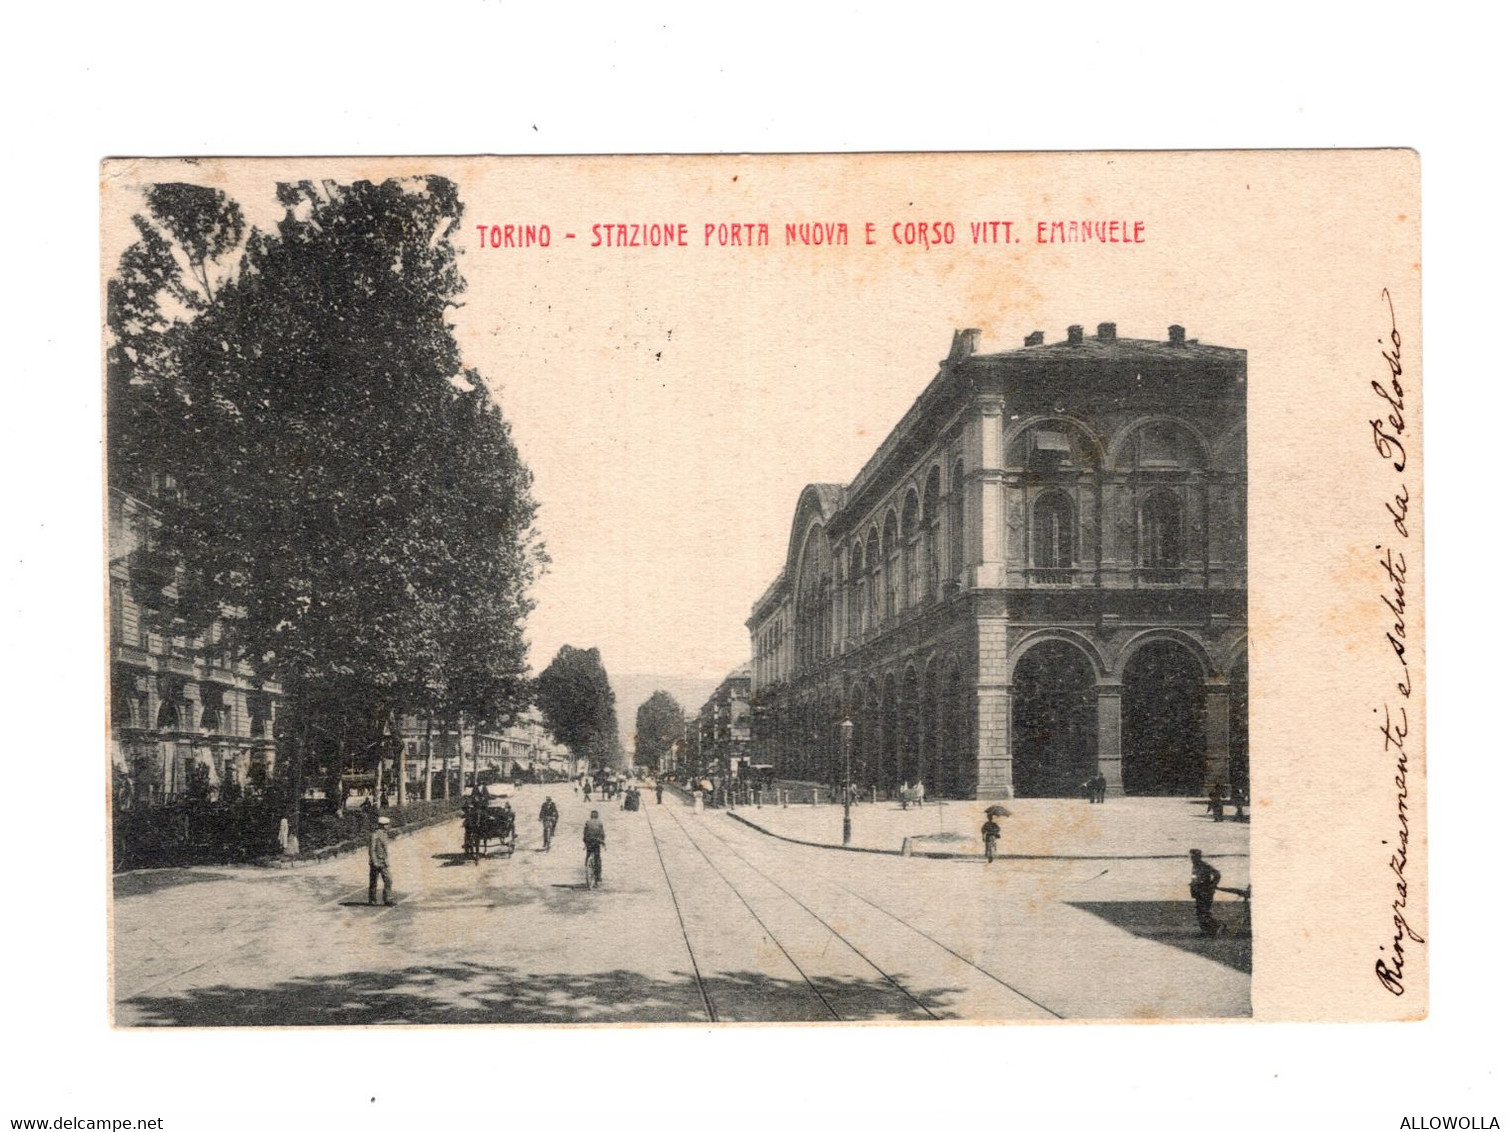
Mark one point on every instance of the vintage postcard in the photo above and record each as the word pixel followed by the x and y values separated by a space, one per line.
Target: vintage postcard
pixel 765 589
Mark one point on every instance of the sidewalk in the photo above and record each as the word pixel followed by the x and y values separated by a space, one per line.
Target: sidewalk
pixel 1054 828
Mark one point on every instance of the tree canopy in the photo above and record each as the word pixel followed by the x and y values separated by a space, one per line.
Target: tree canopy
pixel 657 724
pixel 577 703
pixel 338 501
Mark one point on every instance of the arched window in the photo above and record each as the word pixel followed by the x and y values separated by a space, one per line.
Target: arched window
pixel 1159 537
pixel 1053 539
pixel 910 550
pixel 872 580
pixel 856 591
pixel 825 613
pixel 957 521
pixel 812 600
pixel 125 708
pixel 890 555
pixel 931 537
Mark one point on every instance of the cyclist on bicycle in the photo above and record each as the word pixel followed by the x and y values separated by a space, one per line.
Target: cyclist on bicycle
pixel 594 837
pixel 549 816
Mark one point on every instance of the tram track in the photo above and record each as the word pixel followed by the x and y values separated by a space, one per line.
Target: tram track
pixel 1018 992
pixel 770 934
pixel 889 979
pixel 702 987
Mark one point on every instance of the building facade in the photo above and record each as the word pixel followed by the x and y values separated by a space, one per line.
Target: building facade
pixel 1039 576
pixel 716 742
pixel 724 725
pixel 185 717
pixel 523 749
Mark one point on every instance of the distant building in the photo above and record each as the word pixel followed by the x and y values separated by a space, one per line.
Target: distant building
pixel 1040 575
pixel 524 749
pixel 717 742
pixel 185 717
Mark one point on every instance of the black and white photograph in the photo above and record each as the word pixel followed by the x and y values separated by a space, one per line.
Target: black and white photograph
pixel 516 623
pixel 868 569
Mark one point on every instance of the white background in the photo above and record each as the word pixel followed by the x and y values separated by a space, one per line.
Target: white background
pixel 279 78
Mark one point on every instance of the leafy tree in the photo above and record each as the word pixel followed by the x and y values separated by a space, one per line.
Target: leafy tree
pixel 345 507
pixel 577 704
pixel 657 724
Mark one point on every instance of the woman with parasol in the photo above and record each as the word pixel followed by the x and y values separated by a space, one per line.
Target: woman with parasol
pixel 991 832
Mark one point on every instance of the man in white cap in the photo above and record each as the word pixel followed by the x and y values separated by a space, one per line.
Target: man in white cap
pixel 377 864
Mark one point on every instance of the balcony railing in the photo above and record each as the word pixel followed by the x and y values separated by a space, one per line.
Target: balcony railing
pixel 1159 575
pixel 1055 576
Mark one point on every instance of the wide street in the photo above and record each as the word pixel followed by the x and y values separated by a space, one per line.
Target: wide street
pixel 700 919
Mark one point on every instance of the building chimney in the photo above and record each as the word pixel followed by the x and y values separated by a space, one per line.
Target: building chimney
pixel 1107 331
pixel 964 344
pixel 1034 339
pixel 1077 335
pixel 1176 335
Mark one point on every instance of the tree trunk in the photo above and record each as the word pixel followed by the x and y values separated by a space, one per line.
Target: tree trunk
pixel 377 775
pixel 403 765
pixel 295 779
pixel 339 807
pixel 429 764
pixel 474 756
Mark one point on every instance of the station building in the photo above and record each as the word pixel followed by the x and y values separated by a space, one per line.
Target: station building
pixel 1040 575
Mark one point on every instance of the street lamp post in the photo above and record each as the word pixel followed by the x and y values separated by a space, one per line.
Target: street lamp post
pixel 846 730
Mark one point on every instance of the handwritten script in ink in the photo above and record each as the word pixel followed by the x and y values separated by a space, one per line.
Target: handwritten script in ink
pixel 1389 432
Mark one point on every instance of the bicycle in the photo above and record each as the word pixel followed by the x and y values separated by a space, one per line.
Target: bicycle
pixel 595 867
pixel 548 829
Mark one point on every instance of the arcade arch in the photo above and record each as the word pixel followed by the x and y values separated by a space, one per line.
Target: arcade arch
pixel 1163 720
pixel 1054 729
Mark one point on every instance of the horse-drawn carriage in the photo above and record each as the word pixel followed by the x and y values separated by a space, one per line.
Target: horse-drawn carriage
pixel 489 821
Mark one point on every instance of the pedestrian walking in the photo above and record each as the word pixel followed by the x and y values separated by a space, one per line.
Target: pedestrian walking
pixel 1203 881
pixel 1214 803
pixel 658 789
pixel 922 792
pixel 377 864
pixel 990 833
pixel 1100 787
pixel 594 837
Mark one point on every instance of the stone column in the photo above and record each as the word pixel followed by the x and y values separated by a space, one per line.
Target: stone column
pixel 1109 736
pixel 993 717
pixel 993 760
pixel 1218 734
pixel 985 542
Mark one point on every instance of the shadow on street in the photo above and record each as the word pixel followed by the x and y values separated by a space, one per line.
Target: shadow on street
pixel 1172 922
pixel 144 883
pixel 473 993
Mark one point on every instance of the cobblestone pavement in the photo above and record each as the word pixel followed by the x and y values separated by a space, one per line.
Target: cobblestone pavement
pixel 699 919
